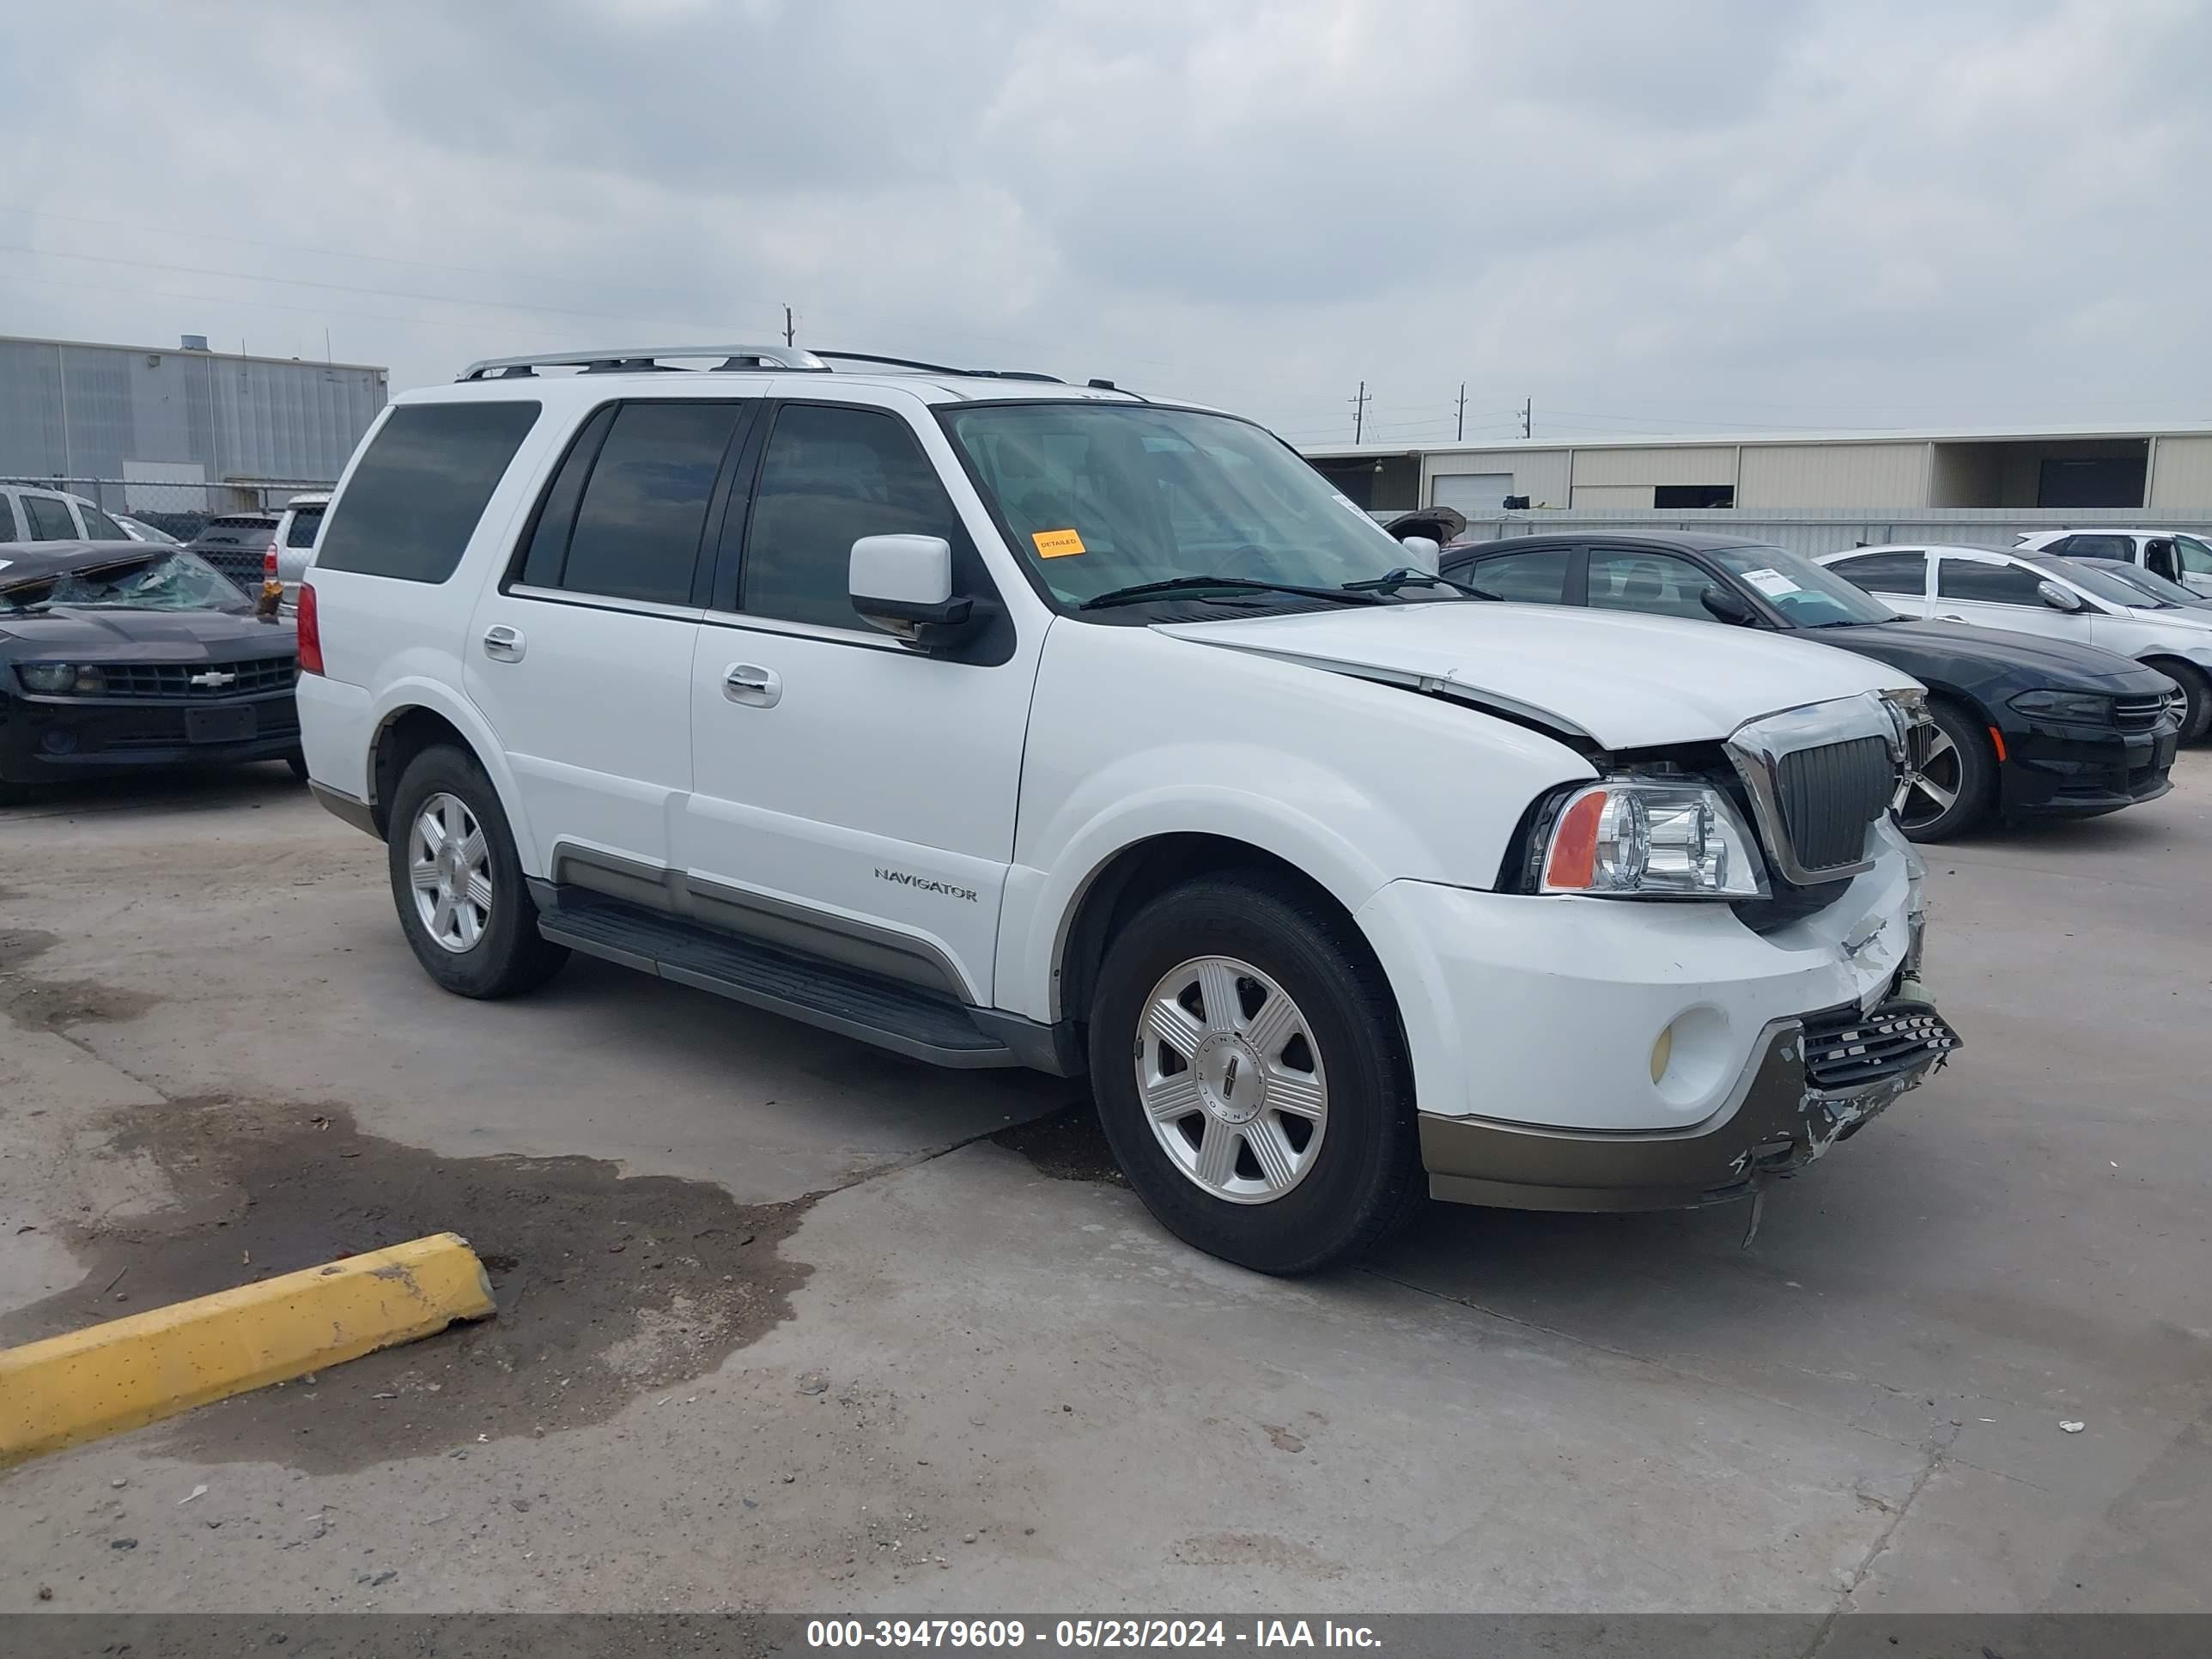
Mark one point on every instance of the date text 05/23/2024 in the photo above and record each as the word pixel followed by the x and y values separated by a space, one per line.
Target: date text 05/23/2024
pixel 829 1633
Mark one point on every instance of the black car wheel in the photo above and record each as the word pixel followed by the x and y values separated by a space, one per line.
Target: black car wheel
pixel 2196 688
pixel 1952 779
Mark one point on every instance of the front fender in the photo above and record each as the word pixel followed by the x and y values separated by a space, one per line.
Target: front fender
pixel 1354 783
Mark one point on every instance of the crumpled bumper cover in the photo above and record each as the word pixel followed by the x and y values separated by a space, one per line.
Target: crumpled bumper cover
pixel 1779 1119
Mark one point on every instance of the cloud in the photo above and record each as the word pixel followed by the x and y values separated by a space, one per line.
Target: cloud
pixel 1716 213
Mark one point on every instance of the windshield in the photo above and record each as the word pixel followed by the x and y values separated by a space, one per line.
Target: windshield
pixel 2094 578
pixel 164 580
pixel 2153 584
pixel 1103 496
pixel 1806 595
pixel 2196 554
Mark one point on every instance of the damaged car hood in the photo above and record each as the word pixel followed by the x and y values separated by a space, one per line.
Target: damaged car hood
pixel 102 634
pixel 1624 680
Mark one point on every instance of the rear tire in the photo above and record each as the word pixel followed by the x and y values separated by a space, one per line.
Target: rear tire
pixel 1954 782
pixel 463 903
pixel 299 766
pixel 1276 1130
pixel 2197 686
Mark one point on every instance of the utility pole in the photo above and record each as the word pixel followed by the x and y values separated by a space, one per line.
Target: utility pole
pixel 790 331
pixel 1459 432
pixel 1358 412
pixel 1528 408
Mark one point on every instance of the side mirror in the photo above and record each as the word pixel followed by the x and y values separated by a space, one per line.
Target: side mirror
pixel 903 585
pixel 1727 605
pixel 2059 598
pixel 1422 553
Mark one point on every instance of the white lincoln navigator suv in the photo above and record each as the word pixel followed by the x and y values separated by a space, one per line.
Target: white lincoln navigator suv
pixel 1004 722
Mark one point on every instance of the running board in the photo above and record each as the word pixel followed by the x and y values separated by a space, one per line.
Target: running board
pixel 901 1017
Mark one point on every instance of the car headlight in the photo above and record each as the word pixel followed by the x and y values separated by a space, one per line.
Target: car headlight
pixel 47 677
pixel 2083 707
pixel 1630 838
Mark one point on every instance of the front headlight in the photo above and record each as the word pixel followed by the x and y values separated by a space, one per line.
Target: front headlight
pixel 2081 708
pixel 47 677
pixel 1630 838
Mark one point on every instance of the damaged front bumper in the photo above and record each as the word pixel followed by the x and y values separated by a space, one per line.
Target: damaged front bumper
pixel 1815 1080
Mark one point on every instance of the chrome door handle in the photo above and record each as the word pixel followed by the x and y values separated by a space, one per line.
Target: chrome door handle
pixel 503 644
pixel 748 683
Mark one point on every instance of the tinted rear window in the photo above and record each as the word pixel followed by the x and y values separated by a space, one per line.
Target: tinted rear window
pixel 236 533
pixel 306 521
pixel 413 501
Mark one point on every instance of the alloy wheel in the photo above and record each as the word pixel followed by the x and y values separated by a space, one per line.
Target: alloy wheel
pixel 1933 779
pixel 1231 1080
pixel 449 863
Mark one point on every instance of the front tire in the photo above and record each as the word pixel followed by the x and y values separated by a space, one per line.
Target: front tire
pixel 2196 688
pixel 458 886
pixel 1953 780
pixel 1250 1079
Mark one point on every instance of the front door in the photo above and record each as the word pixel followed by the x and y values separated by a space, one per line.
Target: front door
pixel 581 657
pixel 852 798
pixel 1995 595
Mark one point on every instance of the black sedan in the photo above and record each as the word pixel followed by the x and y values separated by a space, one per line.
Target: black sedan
pixel 2023 726
pixel 134 655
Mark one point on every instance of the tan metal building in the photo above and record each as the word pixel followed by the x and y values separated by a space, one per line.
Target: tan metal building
pixel 2006 470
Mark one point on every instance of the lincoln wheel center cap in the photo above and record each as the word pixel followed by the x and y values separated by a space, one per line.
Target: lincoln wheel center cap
pixel 1229 1078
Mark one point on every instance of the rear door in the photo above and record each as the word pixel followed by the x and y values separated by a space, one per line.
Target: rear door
pixel 851 797
pixel 49 517
pixel 1897 577
pixel 1530 575
pixel 581 656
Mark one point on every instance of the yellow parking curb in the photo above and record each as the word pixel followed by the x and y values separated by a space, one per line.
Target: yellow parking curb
pixel 117 1376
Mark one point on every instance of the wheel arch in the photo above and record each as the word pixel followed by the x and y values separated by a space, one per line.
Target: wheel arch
pixel 419 716
pixel 1140 872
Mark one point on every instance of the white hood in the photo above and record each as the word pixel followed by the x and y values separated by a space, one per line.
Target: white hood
pixel 1628 681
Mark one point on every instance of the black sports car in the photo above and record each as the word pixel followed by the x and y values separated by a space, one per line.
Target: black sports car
pixel 2022 726
pixel 134 655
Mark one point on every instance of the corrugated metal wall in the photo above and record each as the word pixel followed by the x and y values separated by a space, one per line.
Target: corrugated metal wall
pixel 1676 464
pixel 2181 473
pixel 1778 475
pixel 90 410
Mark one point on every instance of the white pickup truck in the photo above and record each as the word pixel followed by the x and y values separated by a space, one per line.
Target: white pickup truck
pixel 1004 722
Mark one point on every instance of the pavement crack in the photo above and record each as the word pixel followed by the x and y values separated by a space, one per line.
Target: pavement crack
pixel 1938 1454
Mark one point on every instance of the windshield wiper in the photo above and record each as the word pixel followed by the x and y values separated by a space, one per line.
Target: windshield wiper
pixel 1407 576
pixel 1140 592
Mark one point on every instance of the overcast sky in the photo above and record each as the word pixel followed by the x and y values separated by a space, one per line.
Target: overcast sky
pixel 1686 216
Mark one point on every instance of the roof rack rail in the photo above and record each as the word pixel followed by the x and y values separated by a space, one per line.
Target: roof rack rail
pixel 939 368
pixel 636 359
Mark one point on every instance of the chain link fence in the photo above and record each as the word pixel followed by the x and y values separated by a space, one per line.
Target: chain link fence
pixel 178 508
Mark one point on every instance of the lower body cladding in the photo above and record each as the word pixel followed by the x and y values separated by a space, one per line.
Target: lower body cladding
pixel 51 739
pixel 1779 1120
pixel 1589 1053
pixel 2071 771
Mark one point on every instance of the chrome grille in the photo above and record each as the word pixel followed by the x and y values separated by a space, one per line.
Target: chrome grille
pixel 1847 1049
pixel 175 679
pixel 2143 713
pixel 1829 795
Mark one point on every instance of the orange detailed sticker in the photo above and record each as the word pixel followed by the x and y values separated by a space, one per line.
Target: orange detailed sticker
pixel 1056 544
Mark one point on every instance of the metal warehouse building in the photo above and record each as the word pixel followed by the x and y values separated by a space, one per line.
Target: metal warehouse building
pixel 1974 484
pixel 131 424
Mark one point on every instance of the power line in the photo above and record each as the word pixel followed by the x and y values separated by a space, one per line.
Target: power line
pixel 339 287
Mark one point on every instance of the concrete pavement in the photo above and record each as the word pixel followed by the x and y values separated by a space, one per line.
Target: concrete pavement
pixel 783 1325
